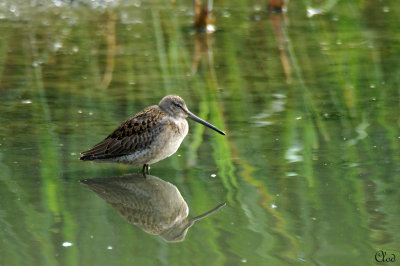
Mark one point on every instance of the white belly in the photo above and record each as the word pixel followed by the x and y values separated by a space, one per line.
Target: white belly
pixel 168 143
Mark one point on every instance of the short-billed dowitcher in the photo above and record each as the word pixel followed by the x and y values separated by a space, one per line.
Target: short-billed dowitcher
pixel 148 137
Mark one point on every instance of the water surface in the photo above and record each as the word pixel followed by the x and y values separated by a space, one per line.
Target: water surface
pixel 309 168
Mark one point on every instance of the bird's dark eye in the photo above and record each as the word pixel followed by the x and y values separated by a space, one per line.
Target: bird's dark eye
pixel 178 105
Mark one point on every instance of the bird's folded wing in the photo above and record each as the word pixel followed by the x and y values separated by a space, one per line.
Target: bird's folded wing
pixel 134 134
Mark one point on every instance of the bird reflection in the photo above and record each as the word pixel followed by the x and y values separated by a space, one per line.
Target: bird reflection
pixel 154 205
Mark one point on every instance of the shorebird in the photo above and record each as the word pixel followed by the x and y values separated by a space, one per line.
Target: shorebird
pixel 147 137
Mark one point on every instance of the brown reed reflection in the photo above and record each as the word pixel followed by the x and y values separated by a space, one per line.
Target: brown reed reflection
pixel 277 5
pixel 111 48
pixel 154 205
pixel 279 26
pixel 203 17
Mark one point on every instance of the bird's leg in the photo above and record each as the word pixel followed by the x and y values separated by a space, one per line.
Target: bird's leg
pixel 145 170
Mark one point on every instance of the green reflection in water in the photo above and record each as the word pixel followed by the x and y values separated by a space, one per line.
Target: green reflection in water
pixel 152 204
pixel 309 167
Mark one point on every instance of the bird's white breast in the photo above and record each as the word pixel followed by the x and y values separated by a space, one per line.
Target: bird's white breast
pixel 170 138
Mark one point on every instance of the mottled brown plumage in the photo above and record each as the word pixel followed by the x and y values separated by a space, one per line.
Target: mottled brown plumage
pixel 148 137
pixel 134 134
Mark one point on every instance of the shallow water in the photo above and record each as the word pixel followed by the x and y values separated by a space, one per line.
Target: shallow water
pixel 309 168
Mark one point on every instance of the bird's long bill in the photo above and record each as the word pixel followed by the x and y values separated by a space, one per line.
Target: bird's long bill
pixel 201 121
pixel 194 219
